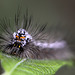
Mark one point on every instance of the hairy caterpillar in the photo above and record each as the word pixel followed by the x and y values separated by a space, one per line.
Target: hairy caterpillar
pixel 30 40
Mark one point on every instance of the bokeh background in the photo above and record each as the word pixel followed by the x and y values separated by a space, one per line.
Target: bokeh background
pixel 51 11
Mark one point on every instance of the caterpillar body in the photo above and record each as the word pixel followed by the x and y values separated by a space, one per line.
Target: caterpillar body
pixel 30 41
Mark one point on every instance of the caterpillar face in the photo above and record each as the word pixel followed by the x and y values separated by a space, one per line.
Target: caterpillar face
pixel 21 37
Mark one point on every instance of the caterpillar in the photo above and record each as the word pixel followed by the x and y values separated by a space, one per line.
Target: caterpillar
pixel 28 40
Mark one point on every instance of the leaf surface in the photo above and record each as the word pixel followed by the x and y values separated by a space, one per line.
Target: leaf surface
pixel 17 66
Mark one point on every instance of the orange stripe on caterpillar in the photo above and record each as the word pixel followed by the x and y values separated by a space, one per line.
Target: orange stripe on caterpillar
pixel 17 37
pixel 22 37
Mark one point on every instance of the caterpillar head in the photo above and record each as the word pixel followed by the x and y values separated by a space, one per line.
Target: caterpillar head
pixel 22 37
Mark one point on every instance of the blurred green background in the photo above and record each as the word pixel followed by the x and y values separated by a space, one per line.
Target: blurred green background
pixel 51 11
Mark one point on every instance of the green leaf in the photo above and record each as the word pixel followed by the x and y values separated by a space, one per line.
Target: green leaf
pixel 17 66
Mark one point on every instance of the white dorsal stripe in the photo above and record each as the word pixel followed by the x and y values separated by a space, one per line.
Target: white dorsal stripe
pixel 54 45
